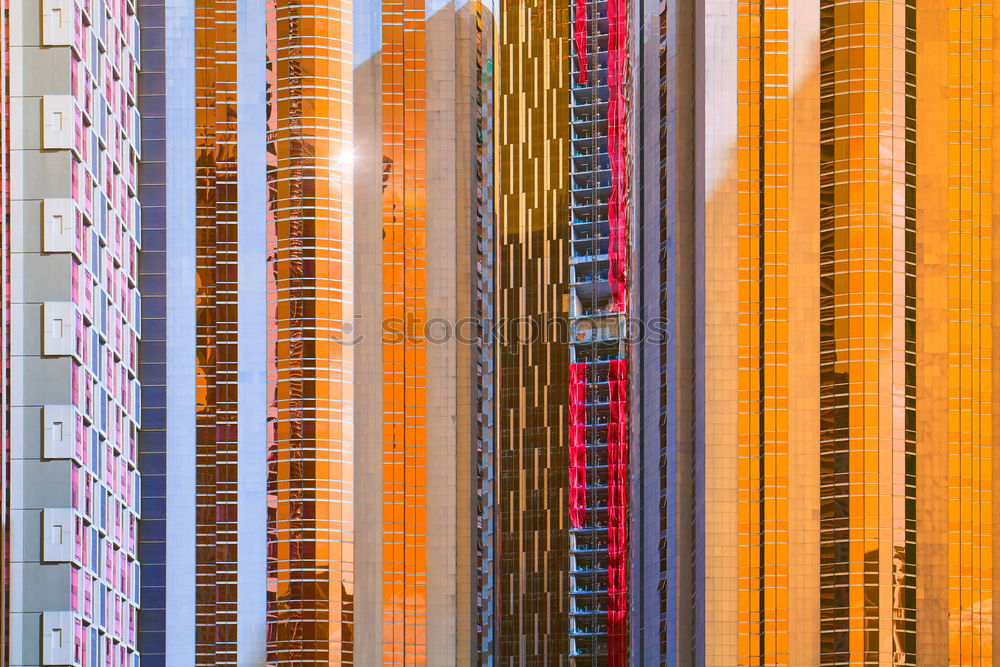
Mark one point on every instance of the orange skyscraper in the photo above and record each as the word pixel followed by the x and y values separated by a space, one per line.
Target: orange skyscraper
pixel 816 437
pixel 810 210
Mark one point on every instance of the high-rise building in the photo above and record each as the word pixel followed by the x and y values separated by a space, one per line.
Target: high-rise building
pixel 325 366
pixel 423 263
pixel 151 638
pixel 808 201
pixel 600 215
pixel 738 255
pixel 71 313
pixel 532 204
pixel 813 461
pixel 564 213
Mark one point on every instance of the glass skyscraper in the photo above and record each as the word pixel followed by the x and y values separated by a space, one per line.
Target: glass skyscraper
pixel 541 332
pixel 328 243
pixel 809 442
pixel 564 212
pixel 815 439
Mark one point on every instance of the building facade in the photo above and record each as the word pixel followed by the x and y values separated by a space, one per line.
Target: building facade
pixel 600 216
pixel 424 291
pixel 71 322
pixel 813 449
pixel 532 204
pixel 564 215
pixel 151 632
pixel 672 343
pixel 327 404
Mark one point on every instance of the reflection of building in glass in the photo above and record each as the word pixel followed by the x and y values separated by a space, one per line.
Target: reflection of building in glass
pixel 311 567
pixel 813 445
pixel 324 477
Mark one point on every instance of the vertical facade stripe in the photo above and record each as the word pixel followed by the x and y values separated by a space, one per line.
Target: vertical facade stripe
pixel 956 332
pixel 970 281
pixel 485 312
pixel 217 334
pixel 153 262
pixel 868 346
pixel 762 164
pixel 533 143
pixel 404 351
pixel 5 332
pixel 181 328
pixel 310 307
pixel 251 179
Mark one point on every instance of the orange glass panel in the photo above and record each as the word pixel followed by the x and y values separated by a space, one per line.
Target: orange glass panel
pixel 310 371
pixel 216 340
pixel 404 303
pixel 867 329
pixel 970 398
pixel 762 398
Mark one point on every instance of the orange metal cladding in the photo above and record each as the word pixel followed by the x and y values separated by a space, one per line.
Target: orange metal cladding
pixel 867 329
pixel 404 271
pixel 310 457
pixel 957 204
pixel 970 396
pixel 762 154
pixel 216 330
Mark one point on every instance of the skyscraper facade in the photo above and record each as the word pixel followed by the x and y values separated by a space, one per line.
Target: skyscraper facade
pixel 532 200
pixel 329 244
pixel 564 214
pixel 423 262
pixel 573 332
pixel 813 449
pixel 151 637
pixel 70 333
pixel 600 207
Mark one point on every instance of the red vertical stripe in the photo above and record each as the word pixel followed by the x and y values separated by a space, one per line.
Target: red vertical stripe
pixel 617 255
pixel 577 444
pixel 580 38
pixel 617 149
pixel 618 516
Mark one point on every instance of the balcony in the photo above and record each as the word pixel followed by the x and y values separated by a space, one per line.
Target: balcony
pixel 590 276
pixel 594 164
pixel 597 309
pixel 592 627
pixel 590 561
pixel 599 525
pixel 590 230
pixel 591 178
pixel 589 127
pixel 590 648
pixel 587 606
pixel 590 148
pixel 593 92
pixel 590 208
pixel 592 250
pixel 597 356
pixel 582 614
pixel 586 255
pixel 586 589
pixel 587 544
